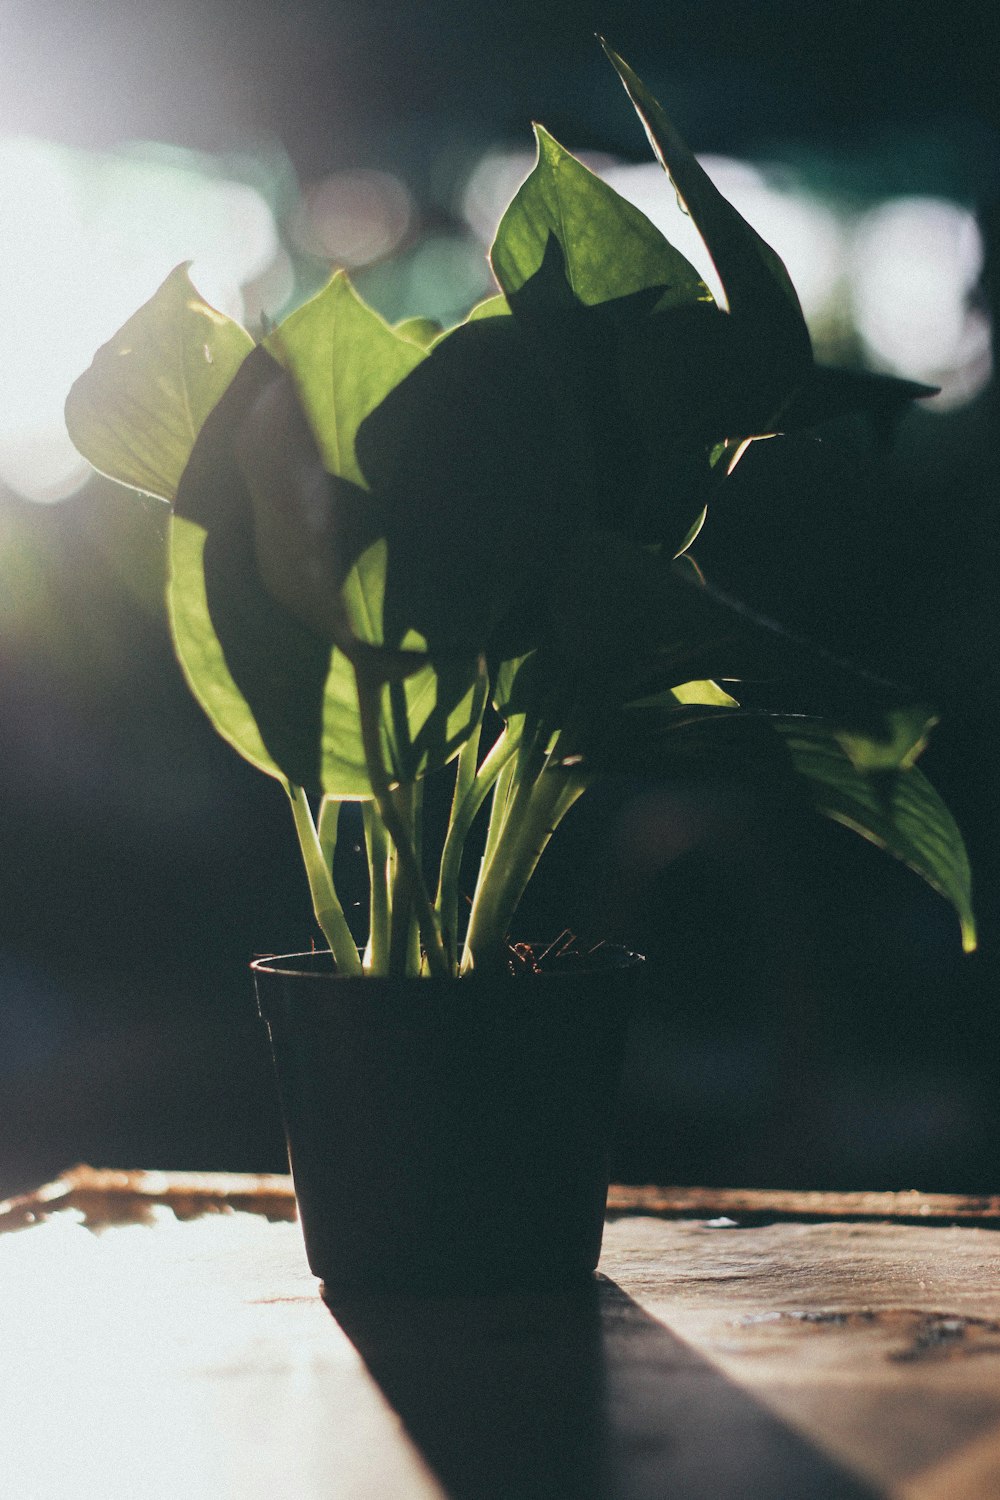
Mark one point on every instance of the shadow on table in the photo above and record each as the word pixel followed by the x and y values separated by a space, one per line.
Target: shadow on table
pixel 580 1394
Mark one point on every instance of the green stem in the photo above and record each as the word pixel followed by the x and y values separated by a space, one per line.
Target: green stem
pixel 498 813
pixel 329 912
pixel 530 825
pixel 470 794
pixel 327 825
pixel 377 848
pixel 402 923
pixel 528 766
pixel 369 704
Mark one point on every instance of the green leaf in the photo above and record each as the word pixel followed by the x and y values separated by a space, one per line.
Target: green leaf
pixel 136 412
pixel 260 663
pixel 755 279
pixel 902 740
pixel 621 615
pixel 490 307
pixel 826 394
pixel 344 360
pixel 202 658
pixel 294 714
pixel 420 331
pixel 898 810
pixel 701 694
pixel 478 465
pixel 610 248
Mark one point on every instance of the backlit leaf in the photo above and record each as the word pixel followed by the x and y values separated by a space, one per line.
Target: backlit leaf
pixel 755 279
pixel 898 810
pixel 251 634
pixel 136 412
pixel 344 360
pixel 610 248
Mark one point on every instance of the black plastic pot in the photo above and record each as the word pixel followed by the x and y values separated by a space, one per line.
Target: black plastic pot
pixel 448 1135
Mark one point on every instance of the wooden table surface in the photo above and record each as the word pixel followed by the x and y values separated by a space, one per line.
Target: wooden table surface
pixel 161 1336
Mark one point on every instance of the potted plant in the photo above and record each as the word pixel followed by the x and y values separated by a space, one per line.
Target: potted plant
pixel 384 540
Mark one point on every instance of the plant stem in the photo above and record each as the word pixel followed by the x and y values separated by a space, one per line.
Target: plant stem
pixel 531 823
pixel 518 787
pixel 470 794
pixel 369 704
pixel 405 933
pixel 498 814
pixel 328 910
pixel 327 825
pixel 377 848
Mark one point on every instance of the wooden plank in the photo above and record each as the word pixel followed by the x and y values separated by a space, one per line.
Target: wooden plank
pixel 105 1195
pixel 971 1474
pixel 97 1190
pixel 160 1357
pixel 878 1342
pixel 753 1206
pixel 842 1357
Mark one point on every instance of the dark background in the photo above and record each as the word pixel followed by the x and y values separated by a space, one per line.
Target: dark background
pixel 809 1019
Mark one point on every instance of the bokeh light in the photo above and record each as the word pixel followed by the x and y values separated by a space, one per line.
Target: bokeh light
pixel 87 238
pixel 353 218
pixel 440 278
pixel 914 265
pixel 490 186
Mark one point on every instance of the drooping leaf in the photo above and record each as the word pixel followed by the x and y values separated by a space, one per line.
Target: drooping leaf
pixel 898 746
pixel 610 248
pixel 894 807
pixel 344 360
pixel 898 810
pixel 136 412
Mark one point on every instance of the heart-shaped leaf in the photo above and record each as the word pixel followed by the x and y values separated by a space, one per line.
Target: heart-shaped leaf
pixel 137 411
pixel 344 360
pixel 259 658
pixel 610 248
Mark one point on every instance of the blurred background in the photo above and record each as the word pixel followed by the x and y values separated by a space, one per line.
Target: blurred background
pixel 808 1017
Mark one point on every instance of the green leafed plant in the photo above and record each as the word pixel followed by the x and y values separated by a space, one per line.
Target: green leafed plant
pixel 378 533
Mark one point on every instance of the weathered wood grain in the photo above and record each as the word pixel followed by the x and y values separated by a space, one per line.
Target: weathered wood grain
pixel 756 1205
pixel 880 1342
pixel 97 1191
pixel 161 1330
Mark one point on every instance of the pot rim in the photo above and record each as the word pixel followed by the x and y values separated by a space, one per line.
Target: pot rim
pixel 317 965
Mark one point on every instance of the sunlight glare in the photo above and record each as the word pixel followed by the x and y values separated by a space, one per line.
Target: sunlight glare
pixel 87 239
